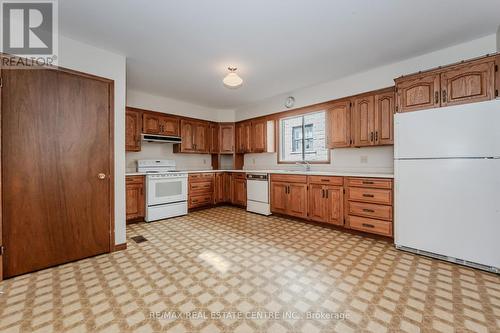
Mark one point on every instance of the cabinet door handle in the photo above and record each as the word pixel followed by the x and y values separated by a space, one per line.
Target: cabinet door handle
pixel 326 193
pixel 322 193
pixel 368 195
pixel 444 96
pixel 376 136
pixel 371 136
pixel 368 210
pixel 366 225
pixel 367 182
pixel 325 180
pixel 436 97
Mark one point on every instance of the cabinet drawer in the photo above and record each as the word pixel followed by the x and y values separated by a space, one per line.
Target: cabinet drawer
pixel 239 175
pixel 200 200
pixel 289 178
pixel 201 186
pixel 134 179
pixel 370 210
pixel 327 180
pixel 195 177
pixel 201 177
pixel 371 225
pixel 370 195
pixel 370 182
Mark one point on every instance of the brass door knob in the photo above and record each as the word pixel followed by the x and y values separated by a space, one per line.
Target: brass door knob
pixel 101 176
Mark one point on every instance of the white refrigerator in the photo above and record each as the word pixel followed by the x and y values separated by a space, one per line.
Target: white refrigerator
pixel 447 183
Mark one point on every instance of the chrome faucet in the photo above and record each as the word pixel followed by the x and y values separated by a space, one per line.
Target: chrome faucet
pixel 305 164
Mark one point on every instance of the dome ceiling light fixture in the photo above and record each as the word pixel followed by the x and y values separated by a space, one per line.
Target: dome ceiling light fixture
pixel 232 80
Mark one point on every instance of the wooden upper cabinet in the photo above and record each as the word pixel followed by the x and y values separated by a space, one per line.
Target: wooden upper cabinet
pixel 468 82
pixel 214 138
pixel 363 118
pixel 187 135
pixel 151 123
pixel 133 126
pixel 339 125
pixel 258 136
pixel 384 118
pixel 247 140
pixel 155 123
pixel 243 137
pixel 418 93
pixel 226 141
pixel 169 126
pixel 201 137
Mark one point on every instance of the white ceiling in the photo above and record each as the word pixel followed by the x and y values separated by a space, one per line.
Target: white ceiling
pixel 181 48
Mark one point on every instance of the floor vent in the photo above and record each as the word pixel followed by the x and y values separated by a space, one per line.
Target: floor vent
pixel 491 269
pixel 139 239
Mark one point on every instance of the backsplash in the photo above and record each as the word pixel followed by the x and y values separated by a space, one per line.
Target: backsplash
pixel 367 159
pixel 151 151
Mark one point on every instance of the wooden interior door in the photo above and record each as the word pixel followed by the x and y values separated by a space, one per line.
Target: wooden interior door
pixel 132 130
pixel 226 144
pixel 317 205
pixel 297 200
pixel 279 197
pixel 151 124
pixel 187 133
pixel 1 215
pixel 468 83
pixel 384 118
pixel 57 160
pixel 258 136
pixel 418 93
pixel 339 125
pixel 364 121
pixel 335 205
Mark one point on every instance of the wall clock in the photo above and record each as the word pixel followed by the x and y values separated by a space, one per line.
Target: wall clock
pixel 289 102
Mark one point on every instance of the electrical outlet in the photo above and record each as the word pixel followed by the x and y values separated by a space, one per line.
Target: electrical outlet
pixel 363 159
pixel 204 161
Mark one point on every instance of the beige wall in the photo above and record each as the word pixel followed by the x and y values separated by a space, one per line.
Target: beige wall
pixel 165 150
pixel 359 159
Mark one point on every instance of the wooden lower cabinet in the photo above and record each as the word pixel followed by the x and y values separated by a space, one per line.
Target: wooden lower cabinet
pixel 289 195
pixel 214 188
pixel 135 200
pixel 326 201
pixel 366 204
pixel 239 193
pixel 201 189
pixel 369 206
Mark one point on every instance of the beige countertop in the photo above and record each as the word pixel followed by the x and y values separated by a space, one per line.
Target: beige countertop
pixel 291 172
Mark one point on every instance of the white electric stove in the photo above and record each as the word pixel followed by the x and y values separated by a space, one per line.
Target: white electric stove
pixel 166 189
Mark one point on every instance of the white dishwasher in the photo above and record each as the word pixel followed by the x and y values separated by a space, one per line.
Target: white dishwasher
pixel 258 193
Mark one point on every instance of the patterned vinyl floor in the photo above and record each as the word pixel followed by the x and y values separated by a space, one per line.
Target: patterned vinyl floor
pixel 226 270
